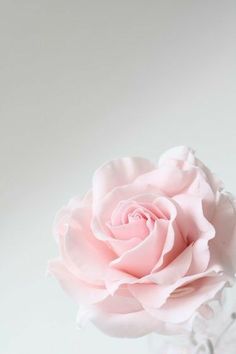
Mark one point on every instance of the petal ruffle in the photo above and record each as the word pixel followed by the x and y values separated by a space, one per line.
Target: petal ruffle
pixel 181 308
pixel 84 255
pixel 197 224
pixel 181 153
pixel 131 324
pixel 80 291
pixel 117 173
pixel 224 222
pixel 162 178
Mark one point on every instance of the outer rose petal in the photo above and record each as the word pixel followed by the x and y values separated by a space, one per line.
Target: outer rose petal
pixel 84 255
pixel 117 173
pixel 179 309
pixel 162 178
pixel 115 278
pixel 154 295
pixel 186 154
pixel 80 291
pixel 131 324
pixel 86 258
pixel 182 153
pixel 201 189
pixel 223 246
pixel 197 224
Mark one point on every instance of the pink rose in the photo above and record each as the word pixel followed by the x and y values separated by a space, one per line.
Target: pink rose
pixel 148 246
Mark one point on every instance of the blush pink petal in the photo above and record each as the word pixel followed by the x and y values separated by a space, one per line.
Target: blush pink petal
pixel 150 295
pixel 137 228
pixel 121 302
pixel 118 173
pixel 80 291
pixel 174 270
pixel 173 246
pixel 223 246
pixel 115 278
pixel 87 258
pixel 205 183
pixel 181 153
pixel 170 274
pixel 153 295
pixel 60 225
pixel 163 283
pixel 162 178
pixel 64 215
pixel 213 180
pixel 178 309
pixel 131 324
pixel 140 260
pixel 200 257
pixel 84 255
pixel 126 325
pixel 122 246
pixel 196 222
pixel 201 188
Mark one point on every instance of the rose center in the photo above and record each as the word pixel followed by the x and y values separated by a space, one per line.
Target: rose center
pixel 131 219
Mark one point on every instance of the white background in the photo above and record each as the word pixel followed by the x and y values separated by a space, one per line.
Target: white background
pixel 82 82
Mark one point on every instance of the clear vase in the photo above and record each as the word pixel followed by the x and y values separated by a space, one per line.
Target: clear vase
pixel 216 335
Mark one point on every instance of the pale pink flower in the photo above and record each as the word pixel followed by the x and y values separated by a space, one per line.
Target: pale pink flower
pixel 148 246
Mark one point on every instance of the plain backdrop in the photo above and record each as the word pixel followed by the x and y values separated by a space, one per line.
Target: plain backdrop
pixel 82 82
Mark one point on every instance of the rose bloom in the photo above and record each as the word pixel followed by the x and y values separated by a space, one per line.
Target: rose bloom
pixel 148 246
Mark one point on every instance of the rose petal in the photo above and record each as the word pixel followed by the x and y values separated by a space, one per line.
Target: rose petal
pixel 87 258
pixel 173 246
pixel 130 324
pixel 118 173
pixel 200 257
pixel 205 183
pixel 182 153
pixel 173 310
pixel 115 278
pixel 174 270
pixel 137 228
pixel 140 260
pixel 154 295
pixel 224 222
pixel 80 291
pixel 170 274
pixel 122 246
pixel 102 212
pixel 84 255
pixel 196 222
pixel 201 188
pixel 121 302
pixel 169 178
